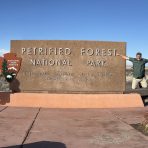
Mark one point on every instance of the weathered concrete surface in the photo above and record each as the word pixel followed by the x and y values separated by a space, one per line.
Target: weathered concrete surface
pixel 130 115
pixel 85 128
pixel 14 123
pixel 72 128
pixel 2 108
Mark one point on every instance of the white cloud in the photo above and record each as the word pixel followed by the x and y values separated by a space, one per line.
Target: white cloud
pixel 3 51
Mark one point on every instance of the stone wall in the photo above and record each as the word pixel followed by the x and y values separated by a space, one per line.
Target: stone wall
pixel 4 86
pixel 73 66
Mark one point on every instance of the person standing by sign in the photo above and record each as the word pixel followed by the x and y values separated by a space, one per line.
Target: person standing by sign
pixel 138 70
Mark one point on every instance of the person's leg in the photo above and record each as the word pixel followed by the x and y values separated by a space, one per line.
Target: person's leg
pixel 144 83
pixel 135 83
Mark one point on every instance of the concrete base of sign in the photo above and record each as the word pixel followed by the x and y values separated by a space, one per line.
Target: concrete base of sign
pixel 72 100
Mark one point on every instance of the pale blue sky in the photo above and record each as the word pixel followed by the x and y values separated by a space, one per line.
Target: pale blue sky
pixel 103 20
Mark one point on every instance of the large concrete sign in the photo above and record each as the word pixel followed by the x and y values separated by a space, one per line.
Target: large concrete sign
pixel 61 66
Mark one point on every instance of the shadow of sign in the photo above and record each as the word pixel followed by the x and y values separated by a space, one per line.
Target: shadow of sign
pixel 14 86
pixel 41 144
pixel 4 98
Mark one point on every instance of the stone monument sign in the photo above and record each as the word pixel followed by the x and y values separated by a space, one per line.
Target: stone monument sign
pixel 70 66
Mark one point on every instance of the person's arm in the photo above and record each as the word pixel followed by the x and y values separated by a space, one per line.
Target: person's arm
pixel 146 60
pixel 122 56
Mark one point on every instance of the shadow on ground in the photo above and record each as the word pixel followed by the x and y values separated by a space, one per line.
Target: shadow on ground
pixel 41 144
pixel 145 100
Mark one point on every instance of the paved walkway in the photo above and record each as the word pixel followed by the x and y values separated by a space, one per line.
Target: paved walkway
pixel 71 128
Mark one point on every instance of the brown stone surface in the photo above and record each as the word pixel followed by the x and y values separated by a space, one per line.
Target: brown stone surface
pixel 83 66
pixel 4 97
